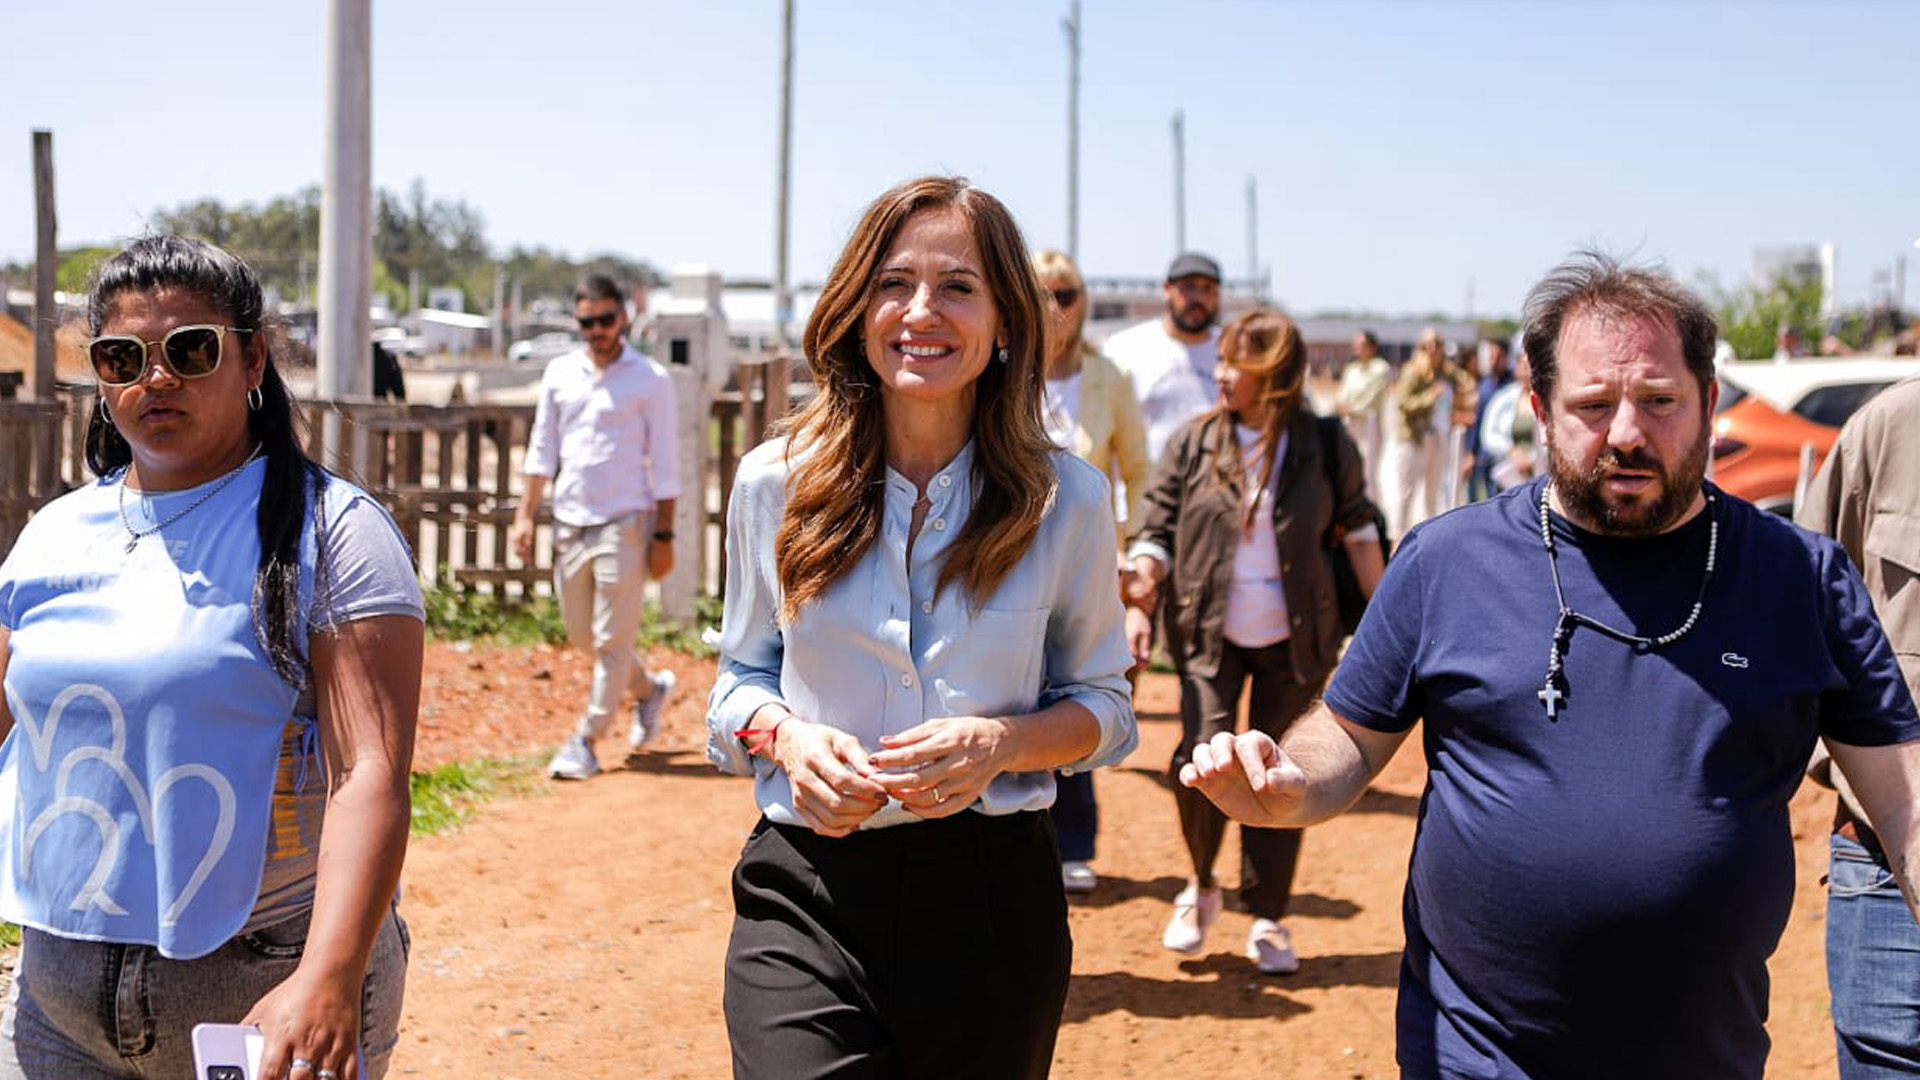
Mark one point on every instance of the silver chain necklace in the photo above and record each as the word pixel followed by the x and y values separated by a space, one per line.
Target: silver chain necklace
pixel 136 535
pixel 1551 694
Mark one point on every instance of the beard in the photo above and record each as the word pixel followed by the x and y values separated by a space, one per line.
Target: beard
pixel 1584 494
pixel 1191 318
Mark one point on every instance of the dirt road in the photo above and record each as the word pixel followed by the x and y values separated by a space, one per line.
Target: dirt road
pixel 579 932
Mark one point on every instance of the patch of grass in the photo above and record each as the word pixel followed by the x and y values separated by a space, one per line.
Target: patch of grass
pixel 657 629
pixel 444 798
pixel 9 935
pixel 454 614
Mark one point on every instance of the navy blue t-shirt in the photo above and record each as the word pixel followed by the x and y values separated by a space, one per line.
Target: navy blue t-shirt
pixel 1597 894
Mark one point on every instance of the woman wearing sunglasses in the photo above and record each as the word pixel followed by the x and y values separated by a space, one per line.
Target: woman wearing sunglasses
pixel 1233 553
pixel 1090 410
pixel 920 626
pixel 211 657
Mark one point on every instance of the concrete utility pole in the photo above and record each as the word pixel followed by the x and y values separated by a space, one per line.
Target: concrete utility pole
pixel 1829 258
pixel 1179 181
pixel 346 215
pixel 1253 239
pixel 499 329
pixel 46 267
pixel 776 391
pixel 1072 27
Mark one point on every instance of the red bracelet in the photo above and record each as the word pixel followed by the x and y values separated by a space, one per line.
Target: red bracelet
pixel 772 733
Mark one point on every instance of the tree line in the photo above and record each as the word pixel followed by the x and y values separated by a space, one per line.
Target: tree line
pixel 442 240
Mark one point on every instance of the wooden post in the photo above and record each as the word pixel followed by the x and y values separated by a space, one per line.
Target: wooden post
pixel 46 265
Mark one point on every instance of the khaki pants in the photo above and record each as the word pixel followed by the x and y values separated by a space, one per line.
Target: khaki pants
pixel 600 577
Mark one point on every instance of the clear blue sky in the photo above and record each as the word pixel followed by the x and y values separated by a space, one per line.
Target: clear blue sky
pixel 1401 149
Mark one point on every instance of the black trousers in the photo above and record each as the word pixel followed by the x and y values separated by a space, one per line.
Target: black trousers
pixel 1209 706
pixel 931 950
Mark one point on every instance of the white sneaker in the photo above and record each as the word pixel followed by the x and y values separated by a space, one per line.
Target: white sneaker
pixel 573 761
pixel 646 714
pixel 1270 947
pixel 1078 877
pixel 1194 911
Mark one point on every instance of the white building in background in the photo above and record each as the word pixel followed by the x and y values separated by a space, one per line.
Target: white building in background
pixel 450 331
pixel 1801 262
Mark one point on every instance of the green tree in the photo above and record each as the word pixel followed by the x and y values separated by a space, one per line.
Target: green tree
pixel 75 270
pixel 280 240
pixel 443 240
pixel 1751 316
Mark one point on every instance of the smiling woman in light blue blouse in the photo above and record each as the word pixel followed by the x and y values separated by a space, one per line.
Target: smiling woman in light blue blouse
pixel 920 624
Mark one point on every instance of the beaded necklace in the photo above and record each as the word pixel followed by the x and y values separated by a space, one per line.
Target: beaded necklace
pixel 1551 694
pixel 136 535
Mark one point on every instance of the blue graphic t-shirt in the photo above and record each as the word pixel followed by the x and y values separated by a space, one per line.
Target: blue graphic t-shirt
pixel 1596 894
pixel 136 785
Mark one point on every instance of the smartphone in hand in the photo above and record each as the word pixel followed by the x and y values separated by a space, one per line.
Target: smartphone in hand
pixel 226 1051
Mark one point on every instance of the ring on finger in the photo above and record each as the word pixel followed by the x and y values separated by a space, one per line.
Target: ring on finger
pixel 325 1074
pixel 936 794
pixel 300 1063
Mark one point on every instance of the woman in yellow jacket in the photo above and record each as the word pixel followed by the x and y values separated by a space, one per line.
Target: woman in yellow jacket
pixel 1091 410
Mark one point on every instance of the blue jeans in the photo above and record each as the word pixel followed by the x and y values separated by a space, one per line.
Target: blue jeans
pixel 1873 967
pixel 1076 816
pixel 92 1010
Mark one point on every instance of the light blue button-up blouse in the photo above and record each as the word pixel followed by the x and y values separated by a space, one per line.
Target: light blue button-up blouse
pixel 880 653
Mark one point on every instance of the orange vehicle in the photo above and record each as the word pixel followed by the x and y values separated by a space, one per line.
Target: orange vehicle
pixel 1772 417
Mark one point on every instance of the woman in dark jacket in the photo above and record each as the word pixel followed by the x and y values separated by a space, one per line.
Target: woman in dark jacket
pixel 1235 554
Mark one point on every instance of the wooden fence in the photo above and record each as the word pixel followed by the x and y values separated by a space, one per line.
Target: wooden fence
pixel 449 474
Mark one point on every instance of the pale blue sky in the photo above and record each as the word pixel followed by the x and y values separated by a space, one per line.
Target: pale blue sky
pixel 1402 149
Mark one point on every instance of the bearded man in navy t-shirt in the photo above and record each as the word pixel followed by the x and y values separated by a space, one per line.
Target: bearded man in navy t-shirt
pixel 1604 861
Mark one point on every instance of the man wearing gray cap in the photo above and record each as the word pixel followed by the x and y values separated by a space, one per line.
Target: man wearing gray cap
pixel 1171 359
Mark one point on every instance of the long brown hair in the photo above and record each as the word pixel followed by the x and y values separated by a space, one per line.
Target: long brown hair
pixel 1267 344
pixel 836 490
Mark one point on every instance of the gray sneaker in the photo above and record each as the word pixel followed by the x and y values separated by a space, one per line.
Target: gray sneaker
pixel 573 761
pixel 646 714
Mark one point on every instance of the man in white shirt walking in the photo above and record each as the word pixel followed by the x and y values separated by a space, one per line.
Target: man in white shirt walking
pixel 603 433
pixel 1171 359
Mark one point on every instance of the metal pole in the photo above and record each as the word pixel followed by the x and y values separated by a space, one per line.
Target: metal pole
pixel 46 268
pixel 776 383
pixel 346 215
pixel 1179 181
pixel 499 320
pixel 1253 239
pixel 1072 28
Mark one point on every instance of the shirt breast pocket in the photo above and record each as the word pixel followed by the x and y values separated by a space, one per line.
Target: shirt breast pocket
pixel 1893 543
pixel 996 666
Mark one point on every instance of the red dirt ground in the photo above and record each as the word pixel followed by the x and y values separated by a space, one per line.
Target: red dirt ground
pixel 578 931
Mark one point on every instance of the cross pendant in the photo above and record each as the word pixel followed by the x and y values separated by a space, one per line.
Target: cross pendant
pixel 1551 697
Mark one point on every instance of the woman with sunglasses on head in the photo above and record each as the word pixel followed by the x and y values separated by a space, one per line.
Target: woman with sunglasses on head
pixel 1090 410
pixel 920 627
pixel 1234 554
pixel 211 657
